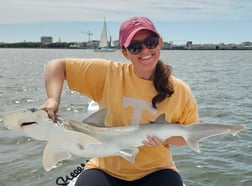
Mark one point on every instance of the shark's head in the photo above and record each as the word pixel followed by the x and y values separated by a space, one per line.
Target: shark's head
pixel 23 118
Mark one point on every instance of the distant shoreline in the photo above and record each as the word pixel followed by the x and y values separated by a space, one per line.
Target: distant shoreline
pixel 166 46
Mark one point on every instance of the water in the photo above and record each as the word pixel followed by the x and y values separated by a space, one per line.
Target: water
pixel 220 81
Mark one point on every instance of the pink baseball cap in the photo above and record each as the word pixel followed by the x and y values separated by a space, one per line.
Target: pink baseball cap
pixel 131 26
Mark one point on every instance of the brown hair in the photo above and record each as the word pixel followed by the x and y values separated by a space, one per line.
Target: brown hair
pixel 161 83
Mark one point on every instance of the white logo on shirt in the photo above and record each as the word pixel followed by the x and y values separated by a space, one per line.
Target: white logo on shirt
pixel 139 106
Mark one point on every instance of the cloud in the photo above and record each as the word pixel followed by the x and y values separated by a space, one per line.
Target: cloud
pixel 27 11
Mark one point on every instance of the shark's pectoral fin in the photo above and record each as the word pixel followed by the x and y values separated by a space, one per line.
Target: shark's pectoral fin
pixel 75 143
pixel 129 153
pixel 52 156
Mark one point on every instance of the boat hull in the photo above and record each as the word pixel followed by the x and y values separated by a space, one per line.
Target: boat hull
pixel 105 49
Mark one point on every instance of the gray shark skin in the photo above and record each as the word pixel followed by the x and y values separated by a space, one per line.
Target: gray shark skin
pixel 91 138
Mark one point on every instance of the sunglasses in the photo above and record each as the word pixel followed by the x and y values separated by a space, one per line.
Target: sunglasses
pixel 136 47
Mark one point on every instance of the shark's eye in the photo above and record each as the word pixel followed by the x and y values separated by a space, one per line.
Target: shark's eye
pixel 33 109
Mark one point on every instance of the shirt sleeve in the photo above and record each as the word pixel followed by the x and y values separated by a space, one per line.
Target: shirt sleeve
pixel 87 76
pixel 188 108
pixel 190 113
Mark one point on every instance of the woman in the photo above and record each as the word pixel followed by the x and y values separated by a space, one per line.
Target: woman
pixel 133 93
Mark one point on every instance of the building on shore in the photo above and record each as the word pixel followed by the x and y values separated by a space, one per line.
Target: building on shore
pixel 221 46
pixel 45 40
pixel 189 45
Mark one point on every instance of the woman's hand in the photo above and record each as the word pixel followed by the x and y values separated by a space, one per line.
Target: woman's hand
pixel 152 141
pixel 52 107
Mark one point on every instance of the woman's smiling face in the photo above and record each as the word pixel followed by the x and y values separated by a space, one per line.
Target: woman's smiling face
pixel 144 62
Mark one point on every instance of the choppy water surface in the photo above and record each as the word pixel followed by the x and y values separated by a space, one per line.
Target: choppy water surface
pixel 220 81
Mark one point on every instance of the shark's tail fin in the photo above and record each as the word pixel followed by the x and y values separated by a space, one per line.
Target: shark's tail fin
pixel 198 132
pixel 235 129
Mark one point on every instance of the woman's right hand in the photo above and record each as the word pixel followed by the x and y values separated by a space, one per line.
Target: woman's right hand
pixel 51 106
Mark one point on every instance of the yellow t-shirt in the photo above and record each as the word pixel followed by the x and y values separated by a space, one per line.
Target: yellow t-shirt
pixel 128 99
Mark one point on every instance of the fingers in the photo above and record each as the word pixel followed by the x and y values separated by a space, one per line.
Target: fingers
pixel 152 141
pixel 52 115
pixel 51 107
pixel 50 112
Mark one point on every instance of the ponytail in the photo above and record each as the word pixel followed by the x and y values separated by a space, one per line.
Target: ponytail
pixel 161 83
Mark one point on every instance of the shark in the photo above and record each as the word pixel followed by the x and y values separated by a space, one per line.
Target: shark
pixel 91 138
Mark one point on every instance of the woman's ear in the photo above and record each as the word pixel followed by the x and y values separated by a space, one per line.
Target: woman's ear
pixel 125 53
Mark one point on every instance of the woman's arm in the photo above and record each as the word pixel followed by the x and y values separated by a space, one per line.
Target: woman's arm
pixel 55 75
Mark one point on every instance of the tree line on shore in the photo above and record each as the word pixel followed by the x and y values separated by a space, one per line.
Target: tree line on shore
pixel 166 46
pixel 36 45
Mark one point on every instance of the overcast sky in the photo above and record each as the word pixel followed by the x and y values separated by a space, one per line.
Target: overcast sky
pixel 202 21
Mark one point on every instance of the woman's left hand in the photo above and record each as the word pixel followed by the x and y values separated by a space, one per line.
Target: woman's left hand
pixel 152 141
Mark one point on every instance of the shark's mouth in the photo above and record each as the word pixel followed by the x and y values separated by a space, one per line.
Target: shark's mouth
pixel 28 123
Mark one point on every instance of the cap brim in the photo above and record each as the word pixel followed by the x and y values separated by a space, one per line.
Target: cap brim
pixel 132 34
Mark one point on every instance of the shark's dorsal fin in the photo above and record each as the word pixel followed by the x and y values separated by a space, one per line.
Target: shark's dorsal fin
pixel 97 118
pixel 160 119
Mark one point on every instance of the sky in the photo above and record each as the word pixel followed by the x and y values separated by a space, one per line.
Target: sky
pixel 199 21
